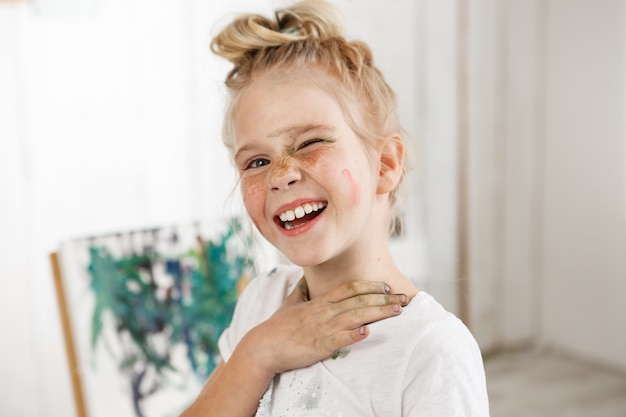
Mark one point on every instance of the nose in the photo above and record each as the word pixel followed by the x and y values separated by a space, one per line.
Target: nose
pixel 283 174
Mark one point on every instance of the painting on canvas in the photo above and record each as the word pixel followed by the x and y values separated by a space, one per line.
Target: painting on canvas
pixel 144 312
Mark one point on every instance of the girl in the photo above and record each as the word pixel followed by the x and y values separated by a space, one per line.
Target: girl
pixel 313 132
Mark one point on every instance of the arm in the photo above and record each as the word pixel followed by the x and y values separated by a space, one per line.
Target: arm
pixel 234 388
pixel 299 334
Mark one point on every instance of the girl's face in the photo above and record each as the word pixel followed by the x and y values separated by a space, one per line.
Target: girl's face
pixel 306 178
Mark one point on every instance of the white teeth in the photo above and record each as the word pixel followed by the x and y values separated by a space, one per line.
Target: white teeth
pixel 300 211
pixel 288 216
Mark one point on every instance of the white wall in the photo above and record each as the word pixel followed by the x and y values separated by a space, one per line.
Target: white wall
pixel 584 210
pixel 436 112
pixel 505 112
pixel 547 118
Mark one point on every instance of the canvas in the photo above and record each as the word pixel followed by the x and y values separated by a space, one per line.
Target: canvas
pixel 143 313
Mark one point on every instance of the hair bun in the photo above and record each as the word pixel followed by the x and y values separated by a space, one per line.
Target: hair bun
pixel 307 19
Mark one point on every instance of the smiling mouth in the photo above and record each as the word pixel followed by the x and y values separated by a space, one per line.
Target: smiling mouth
pixel 300 215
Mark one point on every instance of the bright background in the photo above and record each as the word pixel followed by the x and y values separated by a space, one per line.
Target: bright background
pixel 110 115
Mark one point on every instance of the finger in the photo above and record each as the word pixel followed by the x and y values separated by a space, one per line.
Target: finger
pixel 369 300
pixel 360 333
pixel 355 288
pixel 358 317
pixel 346 338
pixel 372 300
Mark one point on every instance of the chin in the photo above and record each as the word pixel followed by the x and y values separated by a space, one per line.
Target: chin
pixel 305 260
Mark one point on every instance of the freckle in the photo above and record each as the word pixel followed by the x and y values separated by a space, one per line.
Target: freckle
pixel 355 195
pixel 251 189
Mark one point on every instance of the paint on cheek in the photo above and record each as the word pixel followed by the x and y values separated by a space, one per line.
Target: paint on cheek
pixel 355 193
pixel 281 167
pixel 313 159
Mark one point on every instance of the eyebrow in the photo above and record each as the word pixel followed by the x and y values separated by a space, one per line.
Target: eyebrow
pixel 293 132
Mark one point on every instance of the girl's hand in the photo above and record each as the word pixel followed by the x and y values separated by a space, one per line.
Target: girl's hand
pixel 302 332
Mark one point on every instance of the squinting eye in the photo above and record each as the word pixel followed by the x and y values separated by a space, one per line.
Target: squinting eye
pixel 257 163
pixel 310 142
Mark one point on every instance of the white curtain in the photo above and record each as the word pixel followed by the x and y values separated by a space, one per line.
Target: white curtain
pixel 109 119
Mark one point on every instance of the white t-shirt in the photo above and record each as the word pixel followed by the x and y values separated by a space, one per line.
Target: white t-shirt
pixel 423 362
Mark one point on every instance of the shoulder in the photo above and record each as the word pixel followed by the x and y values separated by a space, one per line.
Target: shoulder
pixel 437 325
pixel 265 293
pixel 260 299
pixel 445 364
pixel 276 284
pixel 425 334
pixel 422 321
pixel 436 335
pixel 429 360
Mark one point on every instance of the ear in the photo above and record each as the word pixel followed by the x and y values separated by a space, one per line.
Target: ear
pixel 391 162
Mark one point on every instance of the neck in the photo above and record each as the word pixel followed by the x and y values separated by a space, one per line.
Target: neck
pixel 367 264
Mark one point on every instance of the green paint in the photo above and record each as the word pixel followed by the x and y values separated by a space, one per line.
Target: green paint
pixel 151 318
pixel 340 354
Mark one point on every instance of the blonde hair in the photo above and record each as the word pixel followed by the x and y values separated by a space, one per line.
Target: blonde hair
pixel 307 37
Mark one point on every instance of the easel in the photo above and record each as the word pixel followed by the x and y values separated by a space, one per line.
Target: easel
pixel 79 399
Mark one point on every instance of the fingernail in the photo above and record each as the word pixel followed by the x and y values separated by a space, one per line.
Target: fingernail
pixel 403 299
pixel 387 289
pixel 396 308
pixel 362 330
